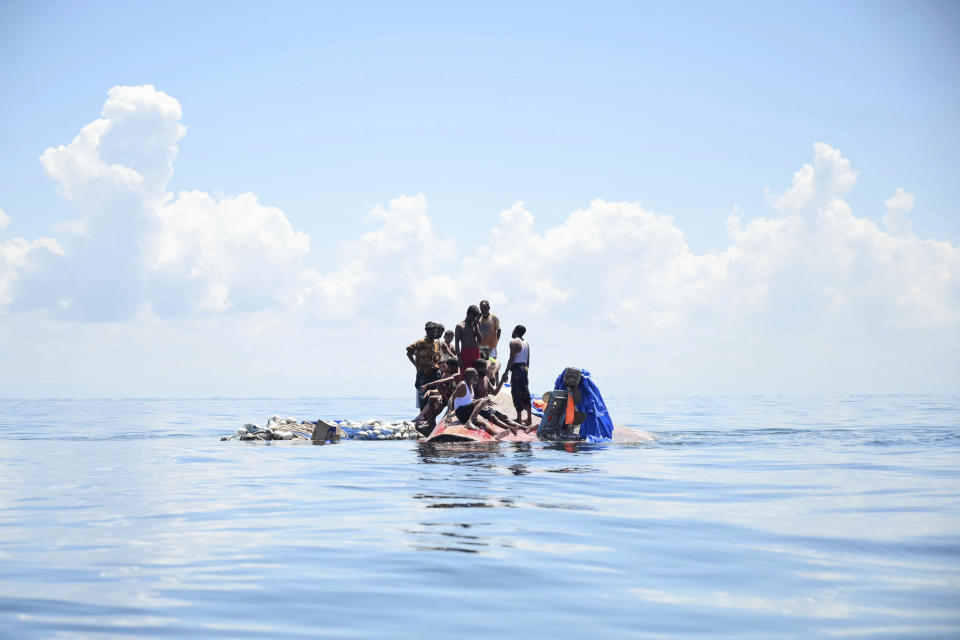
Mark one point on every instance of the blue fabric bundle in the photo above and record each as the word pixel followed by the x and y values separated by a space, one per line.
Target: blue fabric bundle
pixel 598 427
pixel 533 409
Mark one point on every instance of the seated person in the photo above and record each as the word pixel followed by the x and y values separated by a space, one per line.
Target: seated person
pixel 467 408
pixel 436 394
pixel 589 409
pixel 493 366
pixel 482 391
pixel 447 347
pixel 482 388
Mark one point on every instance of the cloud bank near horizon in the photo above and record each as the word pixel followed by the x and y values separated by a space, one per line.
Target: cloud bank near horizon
pixel 134 248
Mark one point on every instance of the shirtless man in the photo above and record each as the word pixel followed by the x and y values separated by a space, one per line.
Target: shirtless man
pixel 467 338
pixel 446 347
pixel 482 388
pixel 436 394
pixel 489 328
pixel 519 368
pixel 482 391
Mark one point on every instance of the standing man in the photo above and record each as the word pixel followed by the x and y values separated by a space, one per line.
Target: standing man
pixel 467 338
pixel 489 328
pixel 424 354
pixel 519 369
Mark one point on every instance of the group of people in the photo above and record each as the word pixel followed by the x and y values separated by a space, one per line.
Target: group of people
pixel 459 370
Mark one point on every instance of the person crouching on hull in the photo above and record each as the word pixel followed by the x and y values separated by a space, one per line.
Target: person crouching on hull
pixel 424 354
pixel 436 395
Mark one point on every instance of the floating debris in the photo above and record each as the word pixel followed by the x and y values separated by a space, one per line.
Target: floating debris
pixel 325 431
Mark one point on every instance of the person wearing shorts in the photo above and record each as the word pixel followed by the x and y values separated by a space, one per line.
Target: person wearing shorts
pixel 489 325
pixel 467 338
pixel 467 408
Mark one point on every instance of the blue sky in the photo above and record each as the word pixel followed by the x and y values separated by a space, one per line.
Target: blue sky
pixel 327 111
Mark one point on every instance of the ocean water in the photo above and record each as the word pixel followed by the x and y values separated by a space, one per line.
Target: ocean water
pixel 751 517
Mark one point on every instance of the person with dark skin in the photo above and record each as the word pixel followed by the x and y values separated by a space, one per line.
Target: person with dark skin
pixel 482 391
pixel 435 396
pixel 518 367
pixel 424 354
pixel 483 388
pixel 446 347
pixel 489 328
pixel 467 408
pixel 467 338
pixel 493 366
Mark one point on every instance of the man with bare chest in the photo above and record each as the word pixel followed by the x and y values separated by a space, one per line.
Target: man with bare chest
pixel 446 347
pixel 467 338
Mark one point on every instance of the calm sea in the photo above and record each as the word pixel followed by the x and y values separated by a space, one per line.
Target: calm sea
pixel 749 517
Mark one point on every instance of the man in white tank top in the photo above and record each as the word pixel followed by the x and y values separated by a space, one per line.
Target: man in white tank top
pixel 518 368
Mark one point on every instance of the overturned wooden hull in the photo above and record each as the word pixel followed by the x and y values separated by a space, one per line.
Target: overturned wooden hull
pixel 450 429
pixel 456 432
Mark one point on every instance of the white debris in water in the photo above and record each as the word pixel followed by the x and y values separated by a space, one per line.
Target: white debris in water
pixel 291 429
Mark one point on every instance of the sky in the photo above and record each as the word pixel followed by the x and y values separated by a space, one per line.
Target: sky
pixel 253 199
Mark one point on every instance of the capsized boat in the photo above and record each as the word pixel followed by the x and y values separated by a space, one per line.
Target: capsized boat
pixel 450 429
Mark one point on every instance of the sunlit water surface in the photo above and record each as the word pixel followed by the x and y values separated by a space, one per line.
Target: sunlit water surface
pixel 747 518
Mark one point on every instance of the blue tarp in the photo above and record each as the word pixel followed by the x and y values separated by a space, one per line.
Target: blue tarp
pixel 598 427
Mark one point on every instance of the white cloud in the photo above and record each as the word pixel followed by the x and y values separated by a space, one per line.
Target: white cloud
pixel 20 259
pixel 134 244
pixel 396 265
pixel 829 177
pixel 213 254
pixel 614 271
pixel 895 219
pixel 619 261
pixel 615 261
pixel 129 150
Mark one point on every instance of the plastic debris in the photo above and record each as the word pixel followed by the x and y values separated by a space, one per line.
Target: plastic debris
pixel 291 429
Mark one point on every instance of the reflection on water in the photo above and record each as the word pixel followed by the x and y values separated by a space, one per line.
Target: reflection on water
pixel 748 518
pixel 459 542
pixel 474 493
pixel 458 453
pixel 485 477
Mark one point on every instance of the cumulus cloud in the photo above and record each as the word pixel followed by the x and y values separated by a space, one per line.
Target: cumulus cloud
pixel 130 149
pixel 614 271
pixel 216 254
pixel 895 219
pixel 134 243
pixel 830 177
pixel 395 265
pixel 20 259
pixel 812 261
